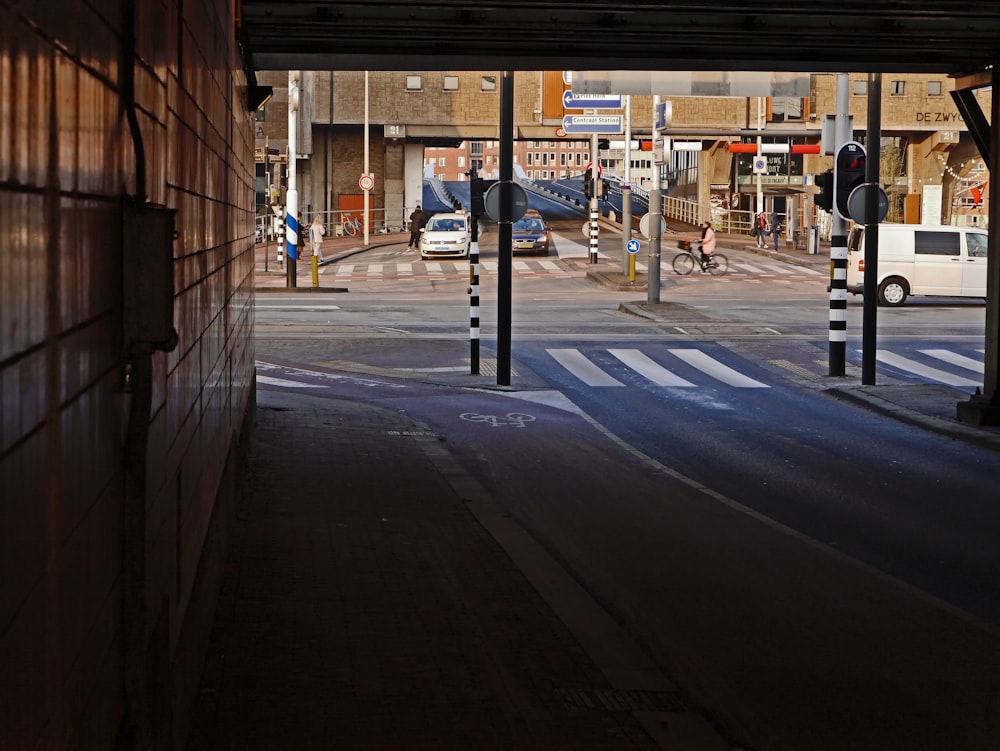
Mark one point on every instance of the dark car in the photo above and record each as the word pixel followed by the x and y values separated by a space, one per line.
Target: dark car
pixel 531 235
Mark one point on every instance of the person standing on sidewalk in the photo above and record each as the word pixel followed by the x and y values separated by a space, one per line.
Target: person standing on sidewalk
pixel 316 232
pixel 775 229
pixel 416 222
pixel 760 229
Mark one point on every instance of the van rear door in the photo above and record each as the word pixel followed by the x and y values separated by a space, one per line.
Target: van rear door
pixel 938 266
pixel 974 267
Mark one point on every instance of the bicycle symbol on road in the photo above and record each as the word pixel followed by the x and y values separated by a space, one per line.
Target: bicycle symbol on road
pixel 517 419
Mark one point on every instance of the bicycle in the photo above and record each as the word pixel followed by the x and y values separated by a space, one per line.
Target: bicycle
pixel 351 224
pixel 685 261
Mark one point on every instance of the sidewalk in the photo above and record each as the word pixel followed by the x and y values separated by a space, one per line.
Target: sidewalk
pixel 272 276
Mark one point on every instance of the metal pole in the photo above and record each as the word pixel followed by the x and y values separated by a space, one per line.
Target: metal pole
pixel 366 191
pixel 292 195
pixel 655 214
pixel 627 258
pixel 474 296
pixel 267 196
pixel 595 227
pixel 505 228
pixel 837 355
pixel 872 159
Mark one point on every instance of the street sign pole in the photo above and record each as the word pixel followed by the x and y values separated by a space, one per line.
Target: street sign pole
pixel 870 301
pixel 655 214
pixel 629 258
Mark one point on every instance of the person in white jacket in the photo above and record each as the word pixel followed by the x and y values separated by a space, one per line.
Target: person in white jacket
pixel 316 232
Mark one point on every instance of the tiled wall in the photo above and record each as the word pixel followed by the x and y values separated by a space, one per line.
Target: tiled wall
pixel 67 160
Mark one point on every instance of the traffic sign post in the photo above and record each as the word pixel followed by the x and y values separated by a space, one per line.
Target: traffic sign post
pixel 632 247
pixel 573 101
pixel 592 124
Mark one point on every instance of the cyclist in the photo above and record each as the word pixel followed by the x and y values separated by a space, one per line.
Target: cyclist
pixel 707 243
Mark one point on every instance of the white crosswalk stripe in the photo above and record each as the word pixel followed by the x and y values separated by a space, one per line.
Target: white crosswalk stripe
pixel 924 371
pixel 649 369
pixel 576 363
pixel 954 358
pixel 720 371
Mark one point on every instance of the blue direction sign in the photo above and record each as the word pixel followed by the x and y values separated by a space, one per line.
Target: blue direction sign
pixel 632 246
pixel 573 101
pixel 592 124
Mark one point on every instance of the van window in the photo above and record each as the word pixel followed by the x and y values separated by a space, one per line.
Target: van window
pixel 977 245
pixel 854 241
pixel 937 243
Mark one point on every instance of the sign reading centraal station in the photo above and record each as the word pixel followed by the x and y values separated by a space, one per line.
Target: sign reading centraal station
pixel 736 83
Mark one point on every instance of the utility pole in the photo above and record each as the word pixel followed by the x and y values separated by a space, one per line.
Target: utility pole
pixel 292 195
pixel 837 356
pixel 655 220
pixel 595 182
pixel 627 188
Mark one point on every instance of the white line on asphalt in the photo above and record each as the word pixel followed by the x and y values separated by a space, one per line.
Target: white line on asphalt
pixel 904 363
pixel 579 366
pixel 649 369
pixel 954 358
pixel 717 370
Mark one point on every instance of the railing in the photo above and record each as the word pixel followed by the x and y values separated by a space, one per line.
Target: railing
pixel 336 224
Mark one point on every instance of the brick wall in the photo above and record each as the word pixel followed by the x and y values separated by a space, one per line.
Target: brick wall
pixel 75 648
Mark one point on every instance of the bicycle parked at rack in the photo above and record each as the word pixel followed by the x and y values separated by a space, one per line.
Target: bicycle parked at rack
pixel 351 224
pixel 689 257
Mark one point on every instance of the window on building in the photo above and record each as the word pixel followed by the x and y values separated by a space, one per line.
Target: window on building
pixel 897 88
pixel 476 147
pixel 579 159
pixel 562 159
pixel 860 88
pixel 461 161
pixel 782 109
pixel 933 88
pixel 451 83
pixel 552 158
pixel 413 83
pixel 489 83
pixel 530 161
pixel 261 114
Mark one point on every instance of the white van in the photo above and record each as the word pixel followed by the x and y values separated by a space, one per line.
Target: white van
pixel 916 259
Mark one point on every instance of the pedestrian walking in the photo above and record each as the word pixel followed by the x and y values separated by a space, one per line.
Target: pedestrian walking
pixel 775 229
pixel 316 232
pixel 416 222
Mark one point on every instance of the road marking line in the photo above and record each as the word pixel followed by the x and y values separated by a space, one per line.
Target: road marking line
pixel 953 358
pixel 717 370
pixel 649 369
pixel 904 363
pixel 578 365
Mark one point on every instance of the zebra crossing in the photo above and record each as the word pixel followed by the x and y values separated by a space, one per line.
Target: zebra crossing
pixel 935 365
pixel 665 369
pixel 694 367
pixel 542 268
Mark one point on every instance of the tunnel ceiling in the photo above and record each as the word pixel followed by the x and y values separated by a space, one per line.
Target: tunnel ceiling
pixel 942 36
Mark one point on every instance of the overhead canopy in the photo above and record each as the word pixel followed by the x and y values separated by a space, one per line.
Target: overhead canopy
pixel 942 36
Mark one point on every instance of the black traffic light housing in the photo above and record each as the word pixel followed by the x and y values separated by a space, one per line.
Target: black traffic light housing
pixel 588 183
pixel 848 173
pixel 824 195
pixel 476 196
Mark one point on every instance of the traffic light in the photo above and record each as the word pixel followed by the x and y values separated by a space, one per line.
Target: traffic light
pixel 604 188
pixel 848 173
pixel 477 202
pixel 588 183
pixel 824 197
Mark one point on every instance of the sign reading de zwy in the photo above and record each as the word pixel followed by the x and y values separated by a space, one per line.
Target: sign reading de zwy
pixel 573 101
pixel 592 124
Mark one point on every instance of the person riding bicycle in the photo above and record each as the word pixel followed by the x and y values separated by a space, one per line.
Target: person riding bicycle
pixel 707 246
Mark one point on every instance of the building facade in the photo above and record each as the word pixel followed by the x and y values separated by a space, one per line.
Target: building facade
pixel 441 123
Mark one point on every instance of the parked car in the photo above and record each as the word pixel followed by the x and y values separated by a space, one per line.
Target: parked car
pixel 530 234
pixel 445 236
